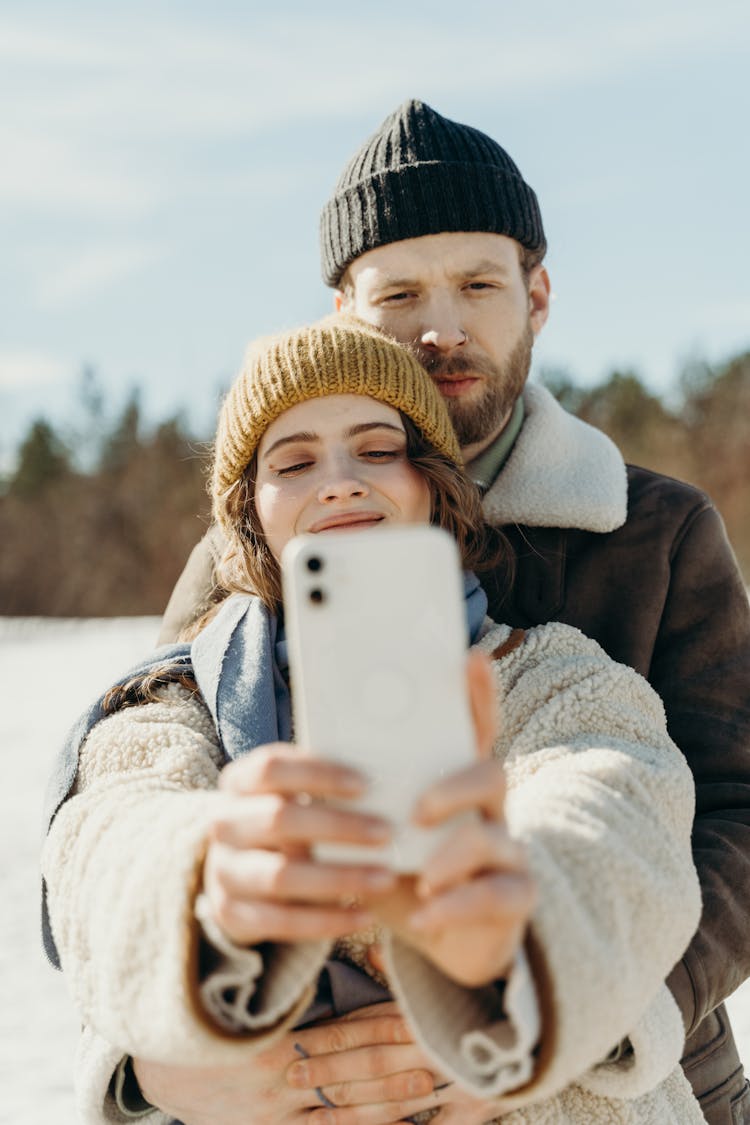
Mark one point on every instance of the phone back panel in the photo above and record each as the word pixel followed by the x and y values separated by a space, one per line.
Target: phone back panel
pixel 377 647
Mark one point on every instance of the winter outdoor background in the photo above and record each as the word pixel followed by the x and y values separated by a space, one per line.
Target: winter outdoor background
pixel 50 670
pixel 162 167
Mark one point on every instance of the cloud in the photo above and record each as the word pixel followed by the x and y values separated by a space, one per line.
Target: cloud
pixel 91 271
pixel 21 370
pixel 41 169
pixel 96 106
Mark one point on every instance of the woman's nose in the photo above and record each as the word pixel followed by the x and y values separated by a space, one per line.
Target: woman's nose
pixel 342 488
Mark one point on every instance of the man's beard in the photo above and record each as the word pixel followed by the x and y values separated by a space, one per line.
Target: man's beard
pixel 475 421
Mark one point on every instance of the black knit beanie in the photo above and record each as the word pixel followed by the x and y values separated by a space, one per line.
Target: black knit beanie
pixel 421 173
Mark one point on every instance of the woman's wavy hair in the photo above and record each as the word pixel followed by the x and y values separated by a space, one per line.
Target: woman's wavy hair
pixel 247 565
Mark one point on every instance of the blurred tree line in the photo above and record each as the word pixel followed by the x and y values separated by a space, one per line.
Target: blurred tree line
pixel 99 522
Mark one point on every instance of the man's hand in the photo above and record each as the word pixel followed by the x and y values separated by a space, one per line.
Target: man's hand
pixel 358 1082
pixel 367 1065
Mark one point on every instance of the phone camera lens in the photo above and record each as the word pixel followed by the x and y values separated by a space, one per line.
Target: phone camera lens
pixel 314 563
pixel 317 596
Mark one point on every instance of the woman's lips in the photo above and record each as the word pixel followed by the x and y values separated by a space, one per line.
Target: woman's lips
pixel 346 520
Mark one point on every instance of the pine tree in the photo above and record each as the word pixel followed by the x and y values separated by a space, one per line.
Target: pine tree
pixel 42 460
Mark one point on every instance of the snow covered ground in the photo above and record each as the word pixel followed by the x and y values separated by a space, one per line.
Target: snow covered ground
pixel 49 670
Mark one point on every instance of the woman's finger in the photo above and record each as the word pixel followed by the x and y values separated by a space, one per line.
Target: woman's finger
pixel 290 770
pixel 482 700
pixel 499 898
pixel 255 873
pixel 249 923
pixel 475 847
pixel 478 788
pixel 273 821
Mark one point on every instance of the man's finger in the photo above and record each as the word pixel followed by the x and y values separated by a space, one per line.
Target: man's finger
pixel 356 1030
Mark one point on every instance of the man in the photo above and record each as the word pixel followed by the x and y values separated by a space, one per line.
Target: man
pixel 432 234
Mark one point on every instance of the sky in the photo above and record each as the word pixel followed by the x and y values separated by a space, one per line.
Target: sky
pixel 163 166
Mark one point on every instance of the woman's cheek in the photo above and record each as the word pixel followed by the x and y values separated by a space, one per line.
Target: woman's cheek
pixel 278 505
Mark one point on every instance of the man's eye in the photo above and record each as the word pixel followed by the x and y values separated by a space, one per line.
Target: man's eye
pixel 397 298
pixel 477 286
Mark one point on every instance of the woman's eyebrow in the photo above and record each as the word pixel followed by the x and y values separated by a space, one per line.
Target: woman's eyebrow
pixel 364 427
pixel 309 436
pixel 303 435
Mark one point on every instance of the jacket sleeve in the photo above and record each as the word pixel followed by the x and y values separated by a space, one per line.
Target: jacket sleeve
pixel 603 801
pixel 96 1063
pixel 122 862
pixel 701 669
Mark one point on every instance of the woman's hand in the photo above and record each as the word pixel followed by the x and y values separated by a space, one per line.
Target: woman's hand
pixel 260 878
pixel 468 909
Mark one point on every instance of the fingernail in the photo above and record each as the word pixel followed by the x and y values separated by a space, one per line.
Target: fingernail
pixel 419 1084
pixel 298 1075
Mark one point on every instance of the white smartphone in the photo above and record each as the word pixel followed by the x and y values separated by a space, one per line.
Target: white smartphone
pixel 377 641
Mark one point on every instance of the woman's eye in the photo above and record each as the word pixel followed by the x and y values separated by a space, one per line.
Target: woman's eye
pixel 381 454
pixel 290 470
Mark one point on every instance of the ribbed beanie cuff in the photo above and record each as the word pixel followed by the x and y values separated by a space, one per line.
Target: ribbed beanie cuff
pixel 337 355
pixel 419 174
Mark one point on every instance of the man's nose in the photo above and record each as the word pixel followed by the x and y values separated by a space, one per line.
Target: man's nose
pixel 442 331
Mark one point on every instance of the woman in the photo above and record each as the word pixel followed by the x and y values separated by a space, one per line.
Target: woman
pixel 529 957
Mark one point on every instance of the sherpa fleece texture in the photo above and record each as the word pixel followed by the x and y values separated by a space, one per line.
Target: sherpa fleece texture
pixel 561 472
pixel 597 792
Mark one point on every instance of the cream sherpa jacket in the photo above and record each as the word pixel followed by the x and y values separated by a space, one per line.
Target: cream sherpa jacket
pixel 599 795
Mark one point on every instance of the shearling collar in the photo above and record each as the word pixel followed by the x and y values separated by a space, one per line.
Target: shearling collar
pixel 561 473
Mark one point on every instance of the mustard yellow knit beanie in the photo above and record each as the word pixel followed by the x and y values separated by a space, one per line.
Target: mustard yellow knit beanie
pixel 337 355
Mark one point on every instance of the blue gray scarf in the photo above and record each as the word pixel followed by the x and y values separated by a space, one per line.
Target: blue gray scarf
pixel 240 664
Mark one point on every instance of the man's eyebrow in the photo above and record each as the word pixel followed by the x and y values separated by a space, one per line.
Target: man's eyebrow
pixel 487 265
pixel 393 282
